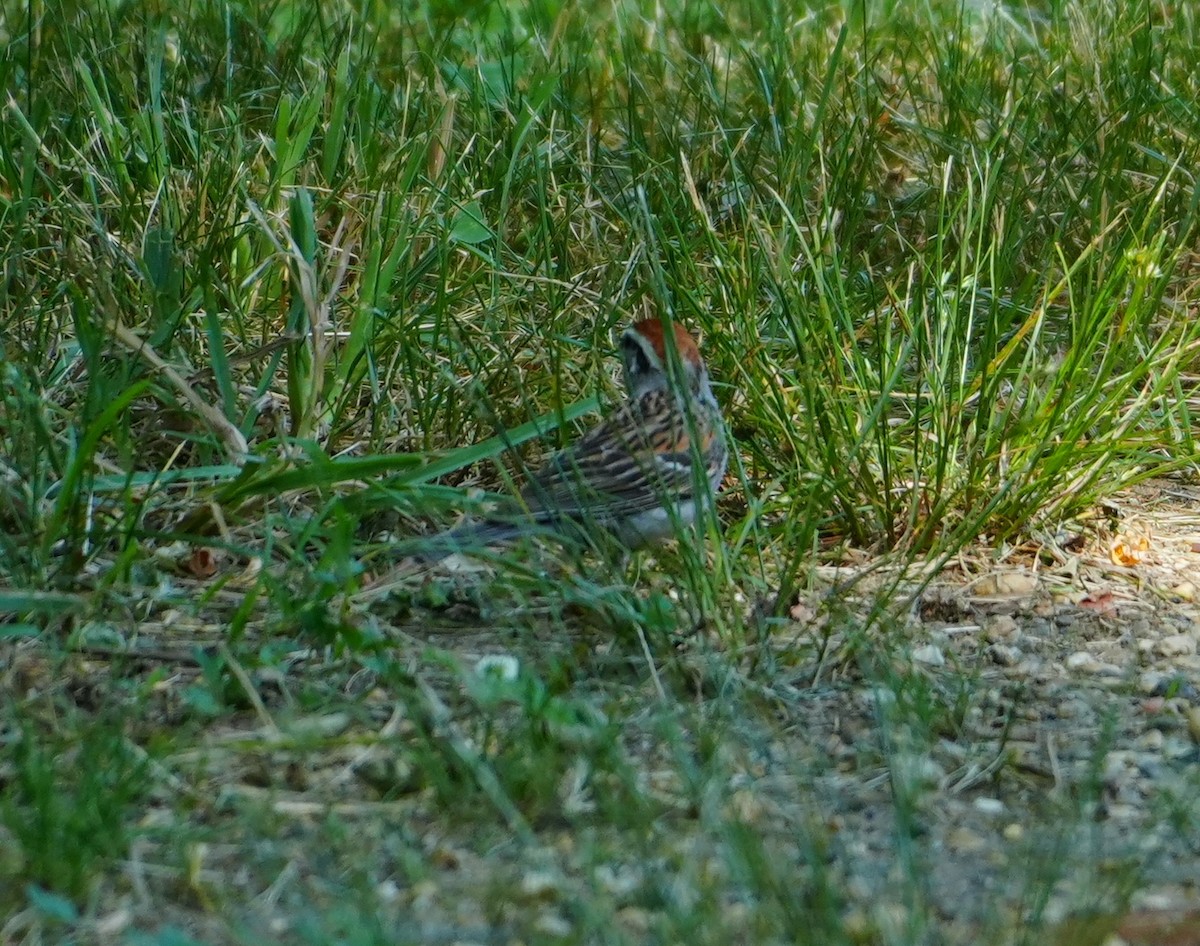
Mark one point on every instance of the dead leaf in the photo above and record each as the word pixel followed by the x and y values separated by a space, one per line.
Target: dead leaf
pixel 1073 542
pixel 202 563
pixel 1130 548
pixel 1102 603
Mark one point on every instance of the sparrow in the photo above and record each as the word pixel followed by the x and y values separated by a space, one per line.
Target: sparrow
pixel 642 472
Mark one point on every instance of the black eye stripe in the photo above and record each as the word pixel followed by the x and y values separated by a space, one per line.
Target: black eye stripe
pixel 640 363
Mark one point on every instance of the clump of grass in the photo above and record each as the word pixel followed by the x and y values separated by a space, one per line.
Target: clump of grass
pixel 69 803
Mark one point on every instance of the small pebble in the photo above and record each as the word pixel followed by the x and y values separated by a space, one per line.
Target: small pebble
pixel 1046 608
pixel 989 806
pixel 1149 682
pixel 1083 662
pixel 388 891
pixel 1073 707
pixel 1000 628
pixel 1015 583
pixel 1004 655
pixel 929 654
pixel 553 924
pixel 635 919
pixel 917 769
pixel 1174 686
pixel 1177 645
pixel 1037 627
pixel 541 885
pixel 1118 767
pixel 965 841
pixel 1149 767
pixel 113 924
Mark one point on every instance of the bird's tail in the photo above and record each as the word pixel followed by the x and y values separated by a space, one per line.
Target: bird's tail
pixel 468 538
pixel 475 537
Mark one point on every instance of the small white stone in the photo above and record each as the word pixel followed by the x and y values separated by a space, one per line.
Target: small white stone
pixel 553 924
pixel 1083 662
pixel 1176 645
pixel 1149 681
pixel 115 923
pixel 1119 766
pixel 989 806
pixel 498 667
pixel 930 654
pixel 879 699
pixel 541 884
pixel 388 891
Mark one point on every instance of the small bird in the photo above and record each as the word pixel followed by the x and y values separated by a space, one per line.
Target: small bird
pixel 642 471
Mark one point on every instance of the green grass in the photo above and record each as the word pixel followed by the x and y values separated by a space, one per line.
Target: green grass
pixel 291 285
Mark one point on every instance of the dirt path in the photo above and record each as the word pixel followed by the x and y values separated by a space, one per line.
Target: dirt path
pixel 1059 772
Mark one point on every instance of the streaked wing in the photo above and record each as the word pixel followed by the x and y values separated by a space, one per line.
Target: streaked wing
pixel 633 461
